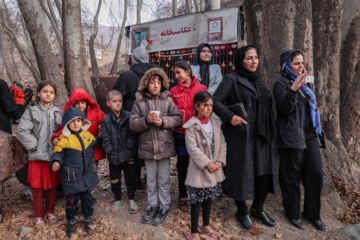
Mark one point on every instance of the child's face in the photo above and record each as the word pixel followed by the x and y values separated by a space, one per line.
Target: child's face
pixel 205 109
pixel 182 76
pixel 76 124
pixel 115 103
pixel 81 104
pixel 154 85
pixel 46 94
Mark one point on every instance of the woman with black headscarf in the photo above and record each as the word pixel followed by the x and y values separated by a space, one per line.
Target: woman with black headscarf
pixel 208 74
pixel 299 128
pixel 252 156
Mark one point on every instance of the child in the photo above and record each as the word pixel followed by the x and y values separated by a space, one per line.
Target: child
pixel 207 149
pixel 154 115
pixel 74 156
pixel 183 95
pixel 120 144
pixel 37 125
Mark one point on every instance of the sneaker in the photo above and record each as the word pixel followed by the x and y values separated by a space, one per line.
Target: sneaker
pixel 161 217
pixel 70 228
pixel 150 214
pixel 52 218
pixel 88 222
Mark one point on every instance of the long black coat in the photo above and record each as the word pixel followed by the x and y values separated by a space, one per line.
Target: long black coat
pixel 248 155
pixel 7 106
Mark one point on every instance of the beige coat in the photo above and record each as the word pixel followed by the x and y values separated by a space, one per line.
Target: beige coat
pixel 199 150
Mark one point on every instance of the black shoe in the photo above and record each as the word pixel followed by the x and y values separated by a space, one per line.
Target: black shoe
pixel 150 214
pixel 161 217
pixel 264 218
pixel 318 224
pixel 71 228
pixel 297 223
pixel 88 222
pixel 245 221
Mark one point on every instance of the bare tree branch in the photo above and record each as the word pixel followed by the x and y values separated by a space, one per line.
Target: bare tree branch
pixel 94 65
pixel 13 61
pixel 8 71
pixel 58 4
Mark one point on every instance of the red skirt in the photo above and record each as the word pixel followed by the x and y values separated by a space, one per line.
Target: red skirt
pixel 41 176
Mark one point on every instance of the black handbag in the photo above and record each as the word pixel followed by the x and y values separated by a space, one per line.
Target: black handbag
pixel 238 109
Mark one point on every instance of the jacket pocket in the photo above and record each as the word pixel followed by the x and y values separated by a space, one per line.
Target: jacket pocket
pixel 70 174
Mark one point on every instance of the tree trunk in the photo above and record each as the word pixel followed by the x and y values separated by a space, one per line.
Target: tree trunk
pixel 94 65
pixel 188 8
pixel 58 6
pixel 14 63
pixel 197 5
pixel 212 5
pixel 118 46
pixel 39 33
pixel 318 36
pixel 3 55
pixel 138 11
pixel 175 8
pixel 76 68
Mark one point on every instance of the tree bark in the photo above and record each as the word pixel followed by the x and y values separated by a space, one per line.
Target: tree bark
pixel 39 33
pixel 94 65
pixel 76 68
pixel 118 46
pixel 212 5
pixel 138 11
pixel 14 63
pixel 175 7
pixel 58 6
pixel 3 55
pixel 197 5
pixel 188 7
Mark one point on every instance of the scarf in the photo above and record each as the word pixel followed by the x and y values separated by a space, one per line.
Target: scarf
pixel 265 124
pixel 314 110
pixel 204 66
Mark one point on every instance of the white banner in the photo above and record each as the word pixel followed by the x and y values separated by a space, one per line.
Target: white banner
pixel 213 27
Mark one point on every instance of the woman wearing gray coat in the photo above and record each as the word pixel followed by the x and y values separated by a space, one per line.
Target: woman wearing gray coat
pixel 252 155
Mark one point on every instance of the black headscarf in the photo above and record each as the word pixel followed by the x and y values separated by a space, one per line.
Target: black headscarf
pixel 204 66
pixel 265 124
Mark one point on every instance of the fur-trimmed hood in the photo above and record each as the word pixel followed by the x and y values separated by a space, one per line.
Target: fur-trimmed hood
pixel 71 114
pixel 147 76
pixel 80 94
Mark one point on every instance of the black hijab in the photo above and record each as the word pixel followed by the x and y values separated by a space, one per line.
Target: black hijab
pixel 265 124
pixel 204 66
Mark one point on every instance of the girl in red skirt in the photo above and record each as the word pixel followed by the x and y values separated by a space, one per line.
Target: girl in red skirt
pixel 37 125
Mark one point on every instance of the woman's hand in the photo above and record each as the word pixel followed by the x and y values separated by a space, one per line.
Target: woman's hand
pixel 56 166
pixel 212 167
pixel 298 82
pixel 152 117
pixel 218 164
pixel 236 120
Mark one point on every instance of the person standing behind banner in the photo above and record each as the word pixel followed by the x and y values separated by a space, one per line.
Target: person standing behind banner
pixel 207 74
pixel 299 127
pixel 128 83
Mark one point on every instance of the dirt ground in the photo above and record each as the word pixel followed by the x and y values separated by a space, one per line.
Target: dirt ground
pixel 18 212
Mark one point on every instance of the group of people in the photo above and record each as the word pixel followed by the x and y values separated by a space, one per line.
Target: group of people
pixel 217 151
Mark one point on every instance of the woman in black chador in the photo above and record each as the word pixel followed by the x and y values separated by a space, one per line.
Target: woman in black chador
pixel 252 156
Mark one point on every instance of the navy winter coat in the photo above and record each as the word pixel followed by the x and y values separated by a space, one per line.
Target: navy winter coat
pixel 119 142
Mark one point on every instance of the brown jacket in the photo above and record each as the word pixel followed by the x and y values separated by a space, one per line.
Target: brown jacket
pixel 199 150
pixel 155 142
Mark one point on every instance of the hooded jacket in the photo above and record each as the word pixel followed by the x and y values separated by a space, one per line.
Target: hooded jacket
pixel 118 140
pixel 36 126
pixel 183 97
pixel 128 81
pixel 19 96
pixel 199 150
pixel 290 110
pixel 93 114
pixel 75 153
pixel 155 142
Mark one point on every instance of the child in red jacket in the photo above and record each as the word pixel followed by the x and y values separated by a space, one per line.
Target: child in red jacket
pixel 183 95
pixel 80 99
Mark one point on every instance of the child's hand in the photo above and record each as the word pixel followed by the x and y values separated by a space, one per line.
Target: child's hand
pixel 55 141
pixel 212 167
pixel 158 122
pixel 152 117
pixel 56 166
pixel 219 165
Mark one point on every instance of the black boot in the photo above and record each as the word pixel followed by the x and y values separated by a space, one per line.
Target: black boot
pixel 88 222
pixel 71 228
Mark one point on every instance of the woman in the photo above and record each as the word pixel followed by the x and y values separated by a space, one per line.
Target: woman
pixel 298 125
pixel 252 158
pixel 208 74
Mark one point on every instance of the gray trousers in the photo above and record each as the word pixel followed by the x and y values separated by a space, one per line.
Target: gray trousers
pixel 158 170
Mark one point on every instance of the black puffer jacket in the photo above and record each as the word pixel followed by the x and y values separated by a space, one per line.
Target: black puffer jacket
pixel 128 83
pixel 290 107
pixel 118 140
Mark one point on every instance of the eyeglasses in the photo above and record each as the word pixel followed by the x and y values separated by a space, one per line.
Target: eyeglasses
pixel 206 51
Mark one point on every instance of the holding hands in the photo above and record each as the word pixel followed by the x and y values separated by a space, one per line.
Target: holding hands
pixel 298 82
pixel 56 166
